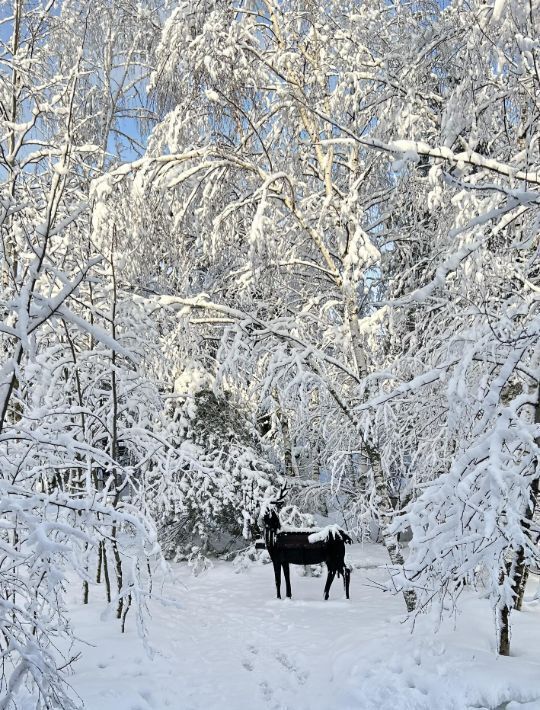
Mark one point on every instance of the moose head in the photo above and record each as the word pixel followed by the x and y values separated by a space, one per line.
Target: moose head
pixel 270 511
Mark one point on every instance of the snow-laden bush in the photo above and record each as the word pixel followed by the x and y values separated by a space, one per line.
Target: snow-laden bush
pixel 212 498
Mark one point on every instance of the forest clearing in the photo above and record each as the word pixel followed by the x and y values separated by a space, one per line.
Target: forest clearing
pixel 269 291
pixel 231 644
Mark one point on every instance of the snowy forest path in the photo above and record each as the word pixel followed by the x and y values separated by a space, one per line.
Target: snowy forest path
pixel 230 645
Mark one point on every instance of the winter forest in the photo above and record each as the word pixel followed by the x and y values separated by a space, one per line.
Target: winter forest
pixel 269 259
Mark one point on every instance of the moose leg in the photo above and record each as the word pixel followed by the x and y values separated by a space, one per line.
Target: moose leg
pixel 329 580
pixel 346 580
pixel 277 574
pixel 287 574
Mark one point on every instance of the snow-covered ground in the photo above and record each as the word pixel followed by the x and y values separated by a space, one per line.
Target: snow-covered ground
pixel 232 646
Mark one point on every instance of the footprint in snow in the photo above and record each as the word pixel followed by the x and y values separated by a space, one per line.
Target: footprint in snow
pixel 266 691
pixel 268 695
pixel 147 695
pixel 411 684
pixel 248 662
pixel 286 662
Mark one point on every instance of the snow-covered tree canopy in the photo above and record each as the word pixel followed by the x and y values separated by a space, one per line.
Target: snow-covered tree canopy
pixel 353 195
pixel 255 240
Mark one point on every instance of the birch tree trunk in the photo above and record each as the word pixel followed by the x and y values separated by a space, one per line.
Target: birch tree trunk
pixel 520 569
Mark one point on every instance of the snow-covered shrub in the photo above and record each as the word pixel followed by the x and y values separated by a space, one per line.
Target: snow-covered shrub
pixel 214 495
pixel 248 557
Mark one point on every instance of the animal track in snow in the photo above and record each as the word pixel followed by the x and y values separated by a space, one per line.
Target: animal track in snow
pixel 248 663
pixel 266 691
pixel 286 662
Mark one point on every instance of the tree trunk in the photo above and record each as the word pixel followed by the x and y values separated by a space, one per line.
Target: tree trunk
pixel 119 577
pixel 504 632
pixel 521 588
pixel 391 541
pixel 353 314
pixel 287 444
pixel 100 561
pixel 124 615
pixel 106 574
pixel 521 570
